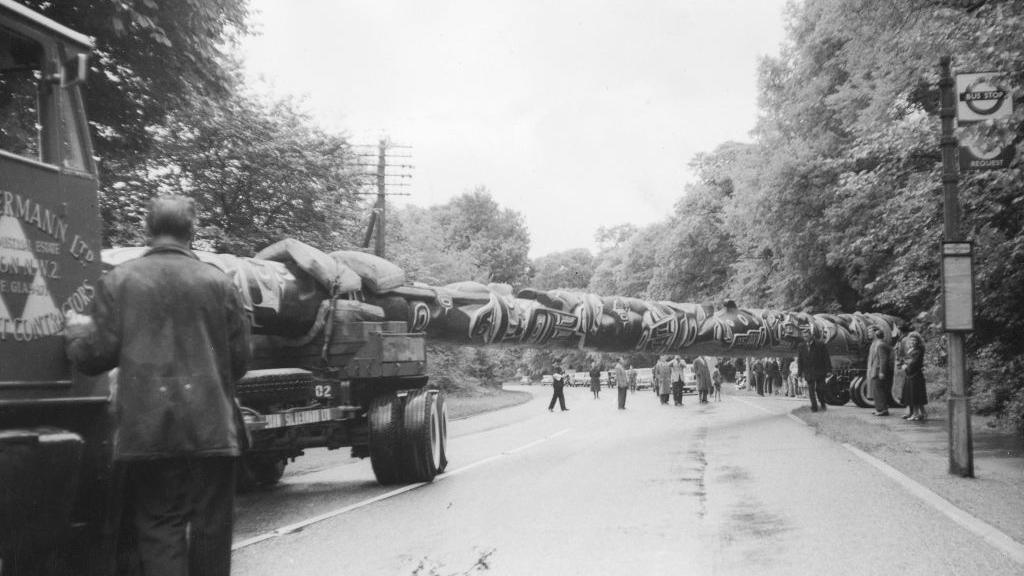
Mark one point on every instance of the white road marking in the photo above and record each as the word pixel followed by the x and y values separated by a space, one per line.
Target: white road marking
pixel 327 515
pixel 982 529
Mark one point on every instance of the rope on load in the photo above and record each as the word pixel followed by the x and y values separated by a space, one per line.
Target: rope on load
pixel 321 318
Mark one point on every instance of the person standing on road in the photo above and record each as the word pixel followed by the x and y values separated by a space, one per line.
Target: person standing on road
pixel 772 377
pixel 880 369
pixel 915 393
pixel 785 367
pixel 176 329
pixel 663 379
pixel 703 375
pixel 557 390
pixel 814 363
pixel 757 370
pixel 678 372
pixel 631 375
pixel 622 383
pixel 794 375
pixel 716 383
pixel 595 379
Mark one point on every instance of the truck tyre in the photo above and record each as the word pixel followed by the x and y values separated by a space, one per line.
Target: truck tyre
pixel 255 471
pixel 386 415
pixel 268 471
pixel 442 411
pixel 857 392
pixel 837 397
pixel 421 454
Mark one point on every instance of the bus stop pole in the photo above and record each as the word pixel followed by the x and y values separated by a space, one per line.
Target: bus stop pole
pixel 961 450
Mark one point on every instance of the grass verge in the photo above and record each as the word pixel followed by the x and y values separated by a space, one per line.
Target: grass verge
pixel 472 401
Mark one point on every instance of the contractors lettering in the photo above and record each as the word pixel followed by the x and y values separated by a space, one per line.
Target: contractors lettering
pixel 29 329
pixel 80 299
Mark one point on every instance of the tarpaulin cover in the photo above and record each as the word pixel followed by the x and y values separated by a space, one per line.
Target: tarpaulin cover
pixel 378 274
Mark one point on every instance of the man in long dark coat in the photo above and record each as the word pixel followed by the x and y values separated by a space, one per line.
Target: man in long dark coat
pixel 814 364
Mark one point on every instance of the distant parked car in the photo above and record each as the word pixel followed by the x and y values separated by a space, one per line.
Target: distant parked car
pixel 547 379
pixel 689 380
pixel 644 378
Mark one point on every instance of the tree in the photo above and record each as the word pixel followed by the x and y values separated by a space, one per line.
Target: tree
pixel 696 255
pixel 259 170
pixel 852 178
pixel 152 58
pixel 494 238
pixel 417 244
pixel 570 269
pixel 625 267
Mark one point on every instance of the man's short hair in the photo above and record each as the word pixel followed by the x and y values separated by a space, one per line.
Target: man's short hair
pixel 173 216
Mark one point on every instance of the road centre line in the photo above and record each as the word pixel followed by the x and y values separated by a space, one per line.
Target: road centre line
pixel 328 515
pixel 982 529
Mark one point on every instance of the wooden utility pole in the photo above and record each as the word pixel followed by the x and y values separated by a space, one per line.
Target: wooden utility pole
pixel 961 450
pixel 379 172
pixel 379 209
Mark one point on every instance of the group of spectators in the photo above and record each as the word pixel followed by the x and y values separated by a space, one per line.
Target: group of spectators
pixel 782 376
pixel 669 375
pixel 904 362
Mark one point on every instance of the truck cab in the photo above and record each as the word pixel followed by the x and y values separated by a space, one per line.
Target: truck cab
pixel 54 426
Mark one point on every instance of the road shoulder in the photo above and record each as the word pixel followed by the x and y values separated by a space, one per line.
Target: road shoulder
pixel 919 451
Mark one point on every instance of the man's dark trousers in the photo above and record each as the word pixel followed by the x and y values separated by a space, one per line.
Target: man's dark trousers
pixel 171 494
pixel 881 388
pixel 816 390
pixel 677 392
pixel 622 398
pixel 558 393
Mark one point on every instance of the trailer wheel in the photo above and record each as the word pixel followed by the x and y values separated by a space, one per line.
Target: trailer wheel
pixel 422 446
pixel 255 471
pixel 268 471
pixel 837 397
pixel 386 438
pixel 442 411
pixel 857 393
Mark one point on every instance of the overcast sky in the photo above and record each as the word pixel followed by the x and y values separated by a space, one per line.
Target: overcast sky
pixel 576 113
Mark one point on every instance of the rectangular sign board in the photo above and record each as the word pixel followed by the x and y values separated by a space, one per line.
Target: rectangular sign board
pixel 957 287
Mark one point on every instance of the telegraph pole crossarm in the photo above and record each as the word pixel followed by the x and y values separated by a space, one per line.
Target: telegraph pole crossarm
pixel 384 174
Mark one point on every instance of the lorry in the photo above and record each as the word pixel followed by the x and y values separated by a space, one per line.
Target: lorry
pixel 357 381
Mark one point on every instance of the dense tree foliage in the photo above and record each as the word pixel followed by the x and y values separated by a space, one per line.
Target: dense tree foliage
pixel 152 57
pixel 851 126
pixel 259 170
pixel 837 203
pixel 493 238
pixel 570 269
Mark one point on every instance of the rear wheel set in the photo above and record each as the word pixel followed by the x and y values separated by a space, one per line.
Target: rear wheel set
pixel 408 436
pixel 259 471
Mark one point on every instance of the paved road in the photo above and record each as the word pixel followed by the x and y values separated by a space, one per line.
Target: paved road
pixel 736 487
